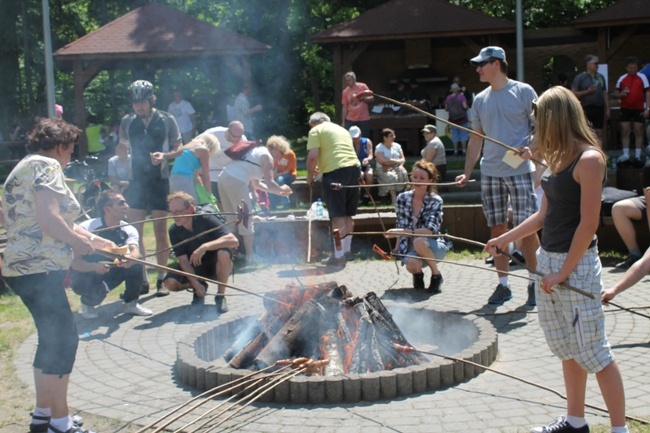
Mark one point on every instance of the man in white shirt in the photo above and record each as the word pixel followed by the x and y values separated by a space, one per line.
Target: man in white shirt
pixel 185 116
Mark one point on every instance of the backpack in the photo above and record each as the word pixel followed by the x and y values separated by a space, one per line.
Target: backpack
pixel 238 151
pixel 456 109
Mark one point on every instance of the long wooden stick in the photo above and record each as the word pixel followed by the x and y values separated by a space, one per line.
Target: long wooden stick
pixel 452 124
pixel 185 274
pixel 337 186
pixel 562 396
pixel 210 392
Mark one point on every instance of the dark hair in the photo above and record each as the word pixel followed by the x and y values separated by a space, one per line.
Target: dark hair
pixel 49 133
pixel 631 61
pixel 503 65
pixel 105 198
pixel 386 132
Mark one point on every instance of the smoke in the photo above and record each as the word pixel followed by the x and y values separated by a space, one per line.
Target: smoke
pixel 450 333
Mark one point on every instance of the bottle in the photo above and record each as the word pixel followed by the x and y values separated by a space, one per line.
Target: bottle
pixel 319 209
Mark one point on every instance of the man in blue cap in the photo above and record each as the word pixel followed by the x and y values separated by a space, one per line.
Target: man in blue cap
pixel 503 111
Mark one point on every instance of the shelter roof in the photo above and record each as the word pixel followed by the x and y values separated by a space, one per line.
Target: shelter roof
pixel 413 19
pixel 157 31
pixel 624 12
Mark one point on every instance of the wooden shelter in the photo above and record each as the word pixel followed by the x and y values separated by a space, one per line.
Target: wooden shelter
pixel 428 41
pixel 155 36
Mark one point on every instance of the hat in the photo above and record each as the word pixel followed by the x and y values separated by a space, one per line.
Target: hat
pixel 488 53
pixel 429 128
pixel 355 131
pixel 454 87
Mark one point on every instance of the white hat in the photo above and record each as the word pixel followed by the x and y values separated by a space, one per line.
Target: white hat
pixel 355 131
pixel 488 53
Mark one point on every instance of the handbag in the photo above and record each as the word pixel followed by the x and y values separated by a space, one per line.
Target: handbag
pixel 204 197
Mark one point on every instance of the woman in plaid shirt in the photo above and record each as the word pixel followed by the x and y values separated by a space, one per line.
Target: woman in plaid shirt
pixel 419 212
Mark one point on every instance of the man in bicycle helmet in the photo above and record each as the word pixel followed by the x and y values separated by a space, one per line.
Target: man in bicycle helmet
pixel 153 137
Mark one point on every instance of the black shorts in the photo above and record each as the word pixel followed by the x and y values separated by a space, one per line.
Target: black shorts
pixel 207 268
pixel 343 202
pixel 595 114
pixel 146 194
pixel 632 115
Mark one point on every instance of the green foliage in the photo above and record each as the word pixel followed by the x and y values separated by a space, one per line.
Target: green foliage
pixel 293 79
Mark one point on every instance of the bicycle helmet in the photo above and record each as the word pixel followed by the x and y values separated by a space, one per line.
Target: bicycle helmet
pixel 141 90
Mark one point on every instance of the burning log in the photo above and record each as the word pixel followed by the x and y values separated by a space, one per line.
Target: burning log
pixel 247 355
pixel 365 357
pixel 331 348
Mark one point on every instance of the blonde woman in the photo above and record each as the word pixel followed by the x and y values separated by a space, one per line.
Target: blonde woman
pixel 194 156
pixel 574 325
pixel 284 166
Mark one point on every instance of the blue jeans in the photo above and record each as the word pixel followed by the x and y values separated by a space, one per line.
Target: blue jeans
pixel 283 179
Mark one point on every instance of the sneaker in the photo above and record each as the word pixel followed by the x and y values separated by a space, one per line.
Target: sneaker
pixel 74 429
pixel 531 301
pixel 435 283
pixel 136 309
pixel 144 289
pixel 88 312
pixel 489 260
pixel 623 158
pixel 418 281
pixel 335 262
pixel 500 295
pixel 631 259
pixel 197 300
pixel 456 152
pixel 160 289
pixel 560 425
pixel 220 303
pixel 517 257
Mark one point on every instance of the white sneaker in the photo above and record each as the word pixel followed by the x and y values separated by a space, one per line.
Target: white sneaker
pixel 88 312
pixel 136 309
pixel 623 158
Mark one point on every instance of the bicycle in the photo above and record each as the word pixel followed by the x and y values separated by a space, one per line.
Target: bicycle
pixel 91 186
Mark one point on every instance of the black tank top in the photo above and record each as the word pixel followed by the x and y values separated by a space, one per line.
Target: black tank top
pixel 562 194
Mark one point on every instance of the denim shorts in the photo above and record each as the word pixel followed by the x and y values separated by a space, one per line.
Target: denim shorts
pixel 437 245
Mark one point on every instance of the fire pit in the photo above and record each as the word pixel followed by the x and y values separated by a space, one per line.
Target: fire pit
pixel 205 360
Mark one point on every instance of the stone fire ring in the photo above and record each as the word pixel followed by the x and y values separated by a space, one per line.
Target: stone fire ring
pixel 199 364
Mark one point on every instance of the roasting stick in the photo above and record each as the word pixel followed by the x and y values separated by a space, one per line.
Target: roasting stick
pixel 408 349
pixel 213 392
pixel 338 186
pixel 185 274
pixel 481 244
pixel 222 389
pixel 309 216
pixel 367 93
pixel 381 253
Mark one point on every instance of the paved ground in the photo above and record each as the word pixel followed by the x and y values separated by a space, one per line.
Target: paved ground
pixel 125 365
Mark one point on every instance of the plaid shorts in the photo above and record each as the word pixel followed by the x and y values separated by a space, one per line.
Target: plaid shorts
pixel 574 325
pixel 495 192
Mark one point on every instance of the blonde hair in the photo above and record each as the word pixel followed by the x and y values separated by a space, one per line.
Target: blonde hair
pixel 211 142
pixel 431 170
pixel 280 143
pixel 561 126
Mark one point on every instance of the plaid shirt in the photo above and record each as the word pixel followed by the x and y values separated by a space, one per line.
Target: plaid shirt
pixel 430 216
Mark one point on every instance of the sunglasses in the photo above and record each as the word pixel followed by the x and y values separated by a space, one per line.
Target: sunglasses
pixel 482 64
pixel 120 203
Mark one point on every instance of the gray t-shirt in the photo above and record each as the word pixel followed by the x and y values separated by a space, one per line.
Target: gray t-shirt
pixel 583 81
pixel 439 158
pixel 504 115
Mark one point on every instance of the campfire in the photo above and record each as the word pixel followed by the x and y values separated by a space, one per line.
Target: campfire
pixel 327 325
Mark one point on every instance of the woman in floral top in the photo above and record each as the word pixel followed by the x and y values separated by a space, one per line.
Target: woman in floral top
pixel 419 211
pixel 41 238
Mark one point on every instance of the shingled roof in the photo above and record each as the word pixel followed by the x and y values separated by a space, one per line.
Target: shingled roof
pixel 157 31
pixel 624 12
pixel 413 19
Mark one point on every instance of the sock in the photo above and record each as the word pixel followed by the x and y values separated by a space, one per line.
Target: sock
pixel 338 254
pixel 503 281
pixel 347 243
pixel 576 421
pixel 44 412
pixel 626 151
pixel 161 277
pixel 64 424
pixel 619 429
pixel 635 252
